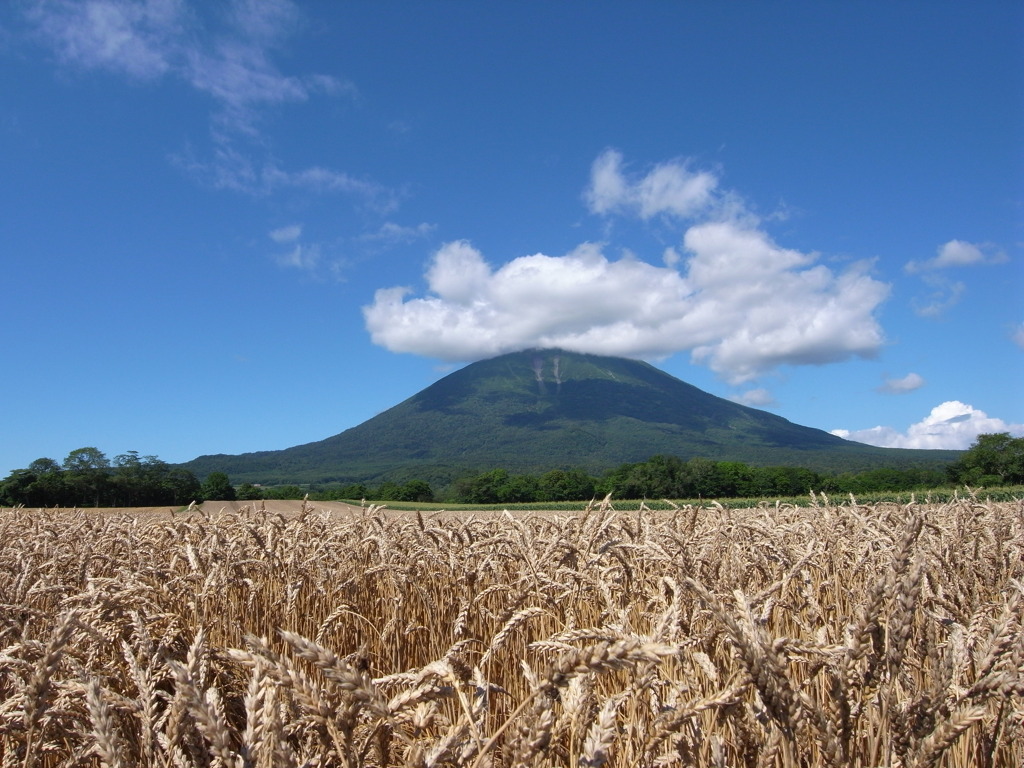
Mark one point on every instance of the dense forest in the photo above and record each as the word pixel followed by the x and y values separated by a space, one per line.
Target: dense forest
pixel 86 478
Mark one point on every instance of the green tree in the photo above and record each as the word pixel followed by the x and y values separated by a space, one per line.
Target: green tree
pixel 519 489
pixel 704 480
pixel 217 487
pixel 566 485
pixel 994 459
pixel 16 489
pixel 415 490
pixel 387 491
pixel 44 466
pixel 49 488
pixel 496 486
pixel 737 479
pixel 249 492
pixel 285 492
pixel 88 474
pixel 481 488
pixel 181 487
pixel 129 479
pixel 660 477
pixel 350 492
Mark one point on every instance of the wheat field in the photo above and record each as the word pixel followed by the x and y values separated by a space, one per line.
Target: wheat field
pixel 837 634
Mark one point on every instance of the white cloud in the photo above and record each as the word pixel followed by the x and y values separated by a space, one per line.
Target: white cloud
pixel 944 295
pixel 304 257
pixel 137 39
pixel 1018 335
pixel 145 39
pixel 908 383
pixel 390 233
pixel 229 62
pixel 739 303
pixel 728 294
pixel 286 234
pixel 950 425
pixel 374 196
pixel 235 170
pixel 670 188
pixel 756 398
pixel 264 21
pixel 958 253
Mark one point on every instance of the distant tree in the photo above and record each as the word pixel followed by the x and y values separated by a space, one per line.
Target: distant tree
pixel 994 459
pixel 736 479
pixel 44 466
pixel 87 471
pixel 386 491
pixel 129 480
pixel 519 489
pixel 788 481
pixel 87 478
pixel 353 491
pixel 217 487
pixel 16 489
pixel 285 492
pixel 248 492
pixel 350 492
pixel 481 488
pixel 660 477
pixel 415 490
pixel 49 488
pixel 496 486
pixel 704 480
pixel 182 487
pixel 566 485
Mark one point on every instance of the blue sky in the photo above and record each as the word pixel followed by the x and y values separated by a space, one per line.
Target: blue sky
pixel 247 225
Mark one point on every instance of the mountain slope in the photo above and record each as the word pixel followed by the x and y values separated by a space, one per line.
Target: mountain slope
pixel 544 409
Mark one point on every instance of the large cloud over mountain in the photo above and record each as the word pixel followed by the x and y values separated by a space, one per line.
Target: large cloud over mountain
pixel 733 298
pixel 738 303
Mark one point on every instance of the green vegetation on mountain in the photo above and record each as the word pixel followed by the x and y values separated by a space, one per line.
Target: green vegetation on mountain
pixel 539 410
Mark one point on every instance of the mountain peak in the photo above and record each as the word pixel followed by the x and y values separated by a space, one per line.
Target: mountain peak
pixel 540 409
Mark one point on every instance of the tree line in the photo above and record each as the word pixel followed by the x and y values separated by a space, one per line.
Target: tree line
pixel 993 460
pixel 86 478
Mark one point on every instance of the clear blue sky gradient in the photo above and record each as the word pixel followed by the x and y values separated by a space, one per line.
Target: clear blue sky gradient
pixel 203 206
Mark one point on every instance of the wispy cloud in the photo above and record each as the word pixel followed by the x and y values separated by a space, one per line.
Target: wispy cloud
pixel 138 39
pixel 233 169
pixel 1018 335
pixel 951 425
pixel 229 59
pixel 286 234
pixel 669 188
pixel 304 257
pixel 391 233
pixel 298 255
pixel 332 259
pixel 958 253
pixel 944 292
pixel 900 386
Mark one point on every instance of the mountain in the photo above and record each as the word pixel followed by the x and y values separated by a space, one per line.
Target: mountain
pixel 538 410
